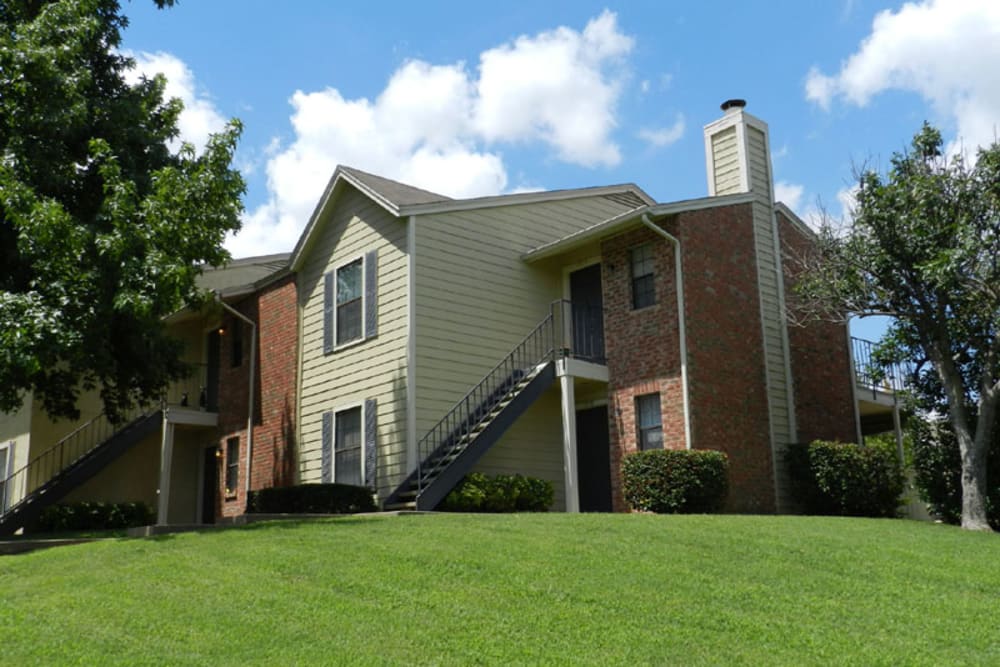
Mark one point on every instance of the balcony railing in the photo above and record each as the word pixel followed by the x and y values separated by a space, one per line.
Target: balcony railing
pixel 193 391
pixel 872 373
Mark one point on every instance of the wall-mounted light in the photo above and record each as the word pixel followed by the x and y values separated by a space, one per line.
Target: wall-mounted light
pixel 222 331
pixel 218 452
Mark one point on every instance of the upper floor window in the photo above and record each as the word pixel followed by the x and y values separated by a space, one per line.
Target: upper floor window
pixel 643 286
pixel 349 301
pixel 650 424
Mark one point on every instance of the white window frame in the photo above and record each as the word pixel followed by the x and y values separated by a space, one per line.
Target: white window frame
pixel 638 420
pixel 364 302
pixel 7 455
pixel 333 439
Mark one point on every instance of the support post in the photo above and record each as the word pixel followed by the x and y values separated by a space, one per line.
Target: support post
pixel 166 455
pixel 569 442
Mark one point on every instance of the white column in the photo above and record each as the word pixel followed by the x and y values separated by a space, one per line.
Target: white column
pixel 569 442
pixel 166 454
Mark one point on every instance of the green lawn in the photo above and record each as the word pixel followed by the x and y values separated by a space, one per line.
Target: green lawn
pixel 514 589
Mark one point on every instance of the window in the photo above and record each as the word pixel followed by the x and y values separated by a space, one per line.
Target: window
pixel 6 457
pixel 232 465
pixel 349 301
pixel 236 353
pixel 643 287
pixel 347 447
pixel 647 408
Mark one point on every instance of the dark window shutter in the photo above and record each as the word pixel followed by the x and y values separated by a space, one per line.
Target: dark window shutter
pixel 370 432
pixel 328 313
pixel 371 294
pixel 327 456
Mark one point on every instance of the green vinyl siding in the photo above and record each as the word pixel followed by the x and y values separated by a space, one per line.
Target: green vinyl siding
pixel 374 368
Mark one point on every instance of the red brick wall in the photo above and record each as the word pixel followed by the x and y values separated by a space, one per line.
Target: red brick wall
pixel 821 372
pixel 726 380
pixel 642 348
pixel 274 310
pixel 729 410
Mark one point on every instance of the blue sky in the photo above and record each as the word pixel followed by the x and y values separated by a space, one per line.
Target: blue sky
pixel 471 98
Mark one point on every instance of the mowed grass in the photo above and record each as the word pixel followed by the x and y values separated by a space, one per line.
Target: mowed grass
pixel 514 589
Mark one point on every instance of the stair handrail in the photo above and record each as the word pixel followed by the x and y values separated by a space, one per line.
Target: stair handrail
pixel 538 347
pixel 24 475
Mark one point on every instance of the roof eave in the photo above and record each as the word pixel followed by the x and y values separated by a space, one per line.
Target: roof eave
pixel 621 221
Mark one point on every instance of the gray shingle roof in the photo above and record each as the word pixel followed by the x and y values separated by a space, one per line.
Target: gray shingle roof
pixel 399 194
pixel 242 272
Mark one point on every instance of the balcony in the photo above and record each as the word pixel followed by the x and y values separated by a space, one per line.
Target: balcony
pixel 878 386
pixel 194 399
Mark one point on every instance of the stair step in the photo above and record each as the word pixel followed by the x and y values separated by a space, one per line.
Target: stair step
pixel 411 505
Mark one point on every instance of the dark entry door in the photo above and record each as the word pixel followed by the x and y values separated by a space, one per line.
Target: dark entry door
pixel 593 460
pixel 209 485
pixel 210 395
pixel 588 313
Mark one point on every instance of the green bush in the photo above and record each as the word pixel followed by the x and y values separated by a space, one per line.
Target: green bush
pixel 669 481
pixel 937 466
pixel 503 493
pixel 846 479
pixel 86 515
pixel 312 499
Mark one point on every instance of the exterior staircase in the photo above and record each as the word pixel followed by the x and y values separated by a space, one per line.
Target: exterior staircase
pixel 79 456
pixel 451 448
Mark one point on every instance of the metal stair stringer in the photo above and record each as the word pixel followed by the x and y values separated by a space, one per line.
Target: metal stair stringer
pixel 461 459
pixel 29 508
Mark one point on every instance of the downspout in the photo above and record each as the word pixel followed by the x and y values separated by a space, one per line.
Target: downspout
pixel 681 328
pixel 250 389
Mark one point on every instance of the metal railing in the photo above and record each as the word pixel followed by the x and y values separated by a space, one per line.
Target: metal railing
pixel 67 451
pixel 872 373
pixel 21 483
pixel 567 331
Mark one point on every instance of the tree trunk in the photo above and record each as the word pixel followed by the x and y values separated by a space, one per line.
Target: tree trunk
pixel 974 452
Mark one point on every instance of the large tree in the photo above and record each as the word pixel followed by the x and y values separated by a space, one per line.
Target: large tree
pixel 102 225
pixel 923 245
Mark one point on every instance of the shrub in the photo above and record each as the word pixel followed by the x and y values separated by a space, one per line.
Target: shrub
pixel 672 481
pixel 502 493
pixel 87 515
pixel 846 479
pixel 937 467
pixel 312 499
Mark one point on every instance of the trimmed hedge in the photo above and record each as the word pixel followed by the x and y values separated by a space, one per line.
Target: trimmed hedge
pixel 845 479
pixel 669 481
pixel 502 493
pixel 86 515
pixel 312 499
pixel 937 465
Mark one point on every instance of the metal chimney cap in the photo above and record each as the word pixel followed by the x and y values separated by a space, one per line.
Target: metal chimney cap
pixel 733 104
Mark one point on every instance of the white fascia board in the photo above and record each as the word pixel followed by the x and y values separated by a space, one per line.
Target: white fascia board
pixel 795 220
pixel 308 234
pixel 619 222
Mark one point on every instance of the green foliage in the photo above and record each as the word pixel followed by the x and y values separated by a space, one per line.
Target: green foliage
pixel 93 516
pixel 938 467
pixel 103 226
pixel 672 481
pixel 502 493
pixel 312 499
pixel 846 479
pixel 922 246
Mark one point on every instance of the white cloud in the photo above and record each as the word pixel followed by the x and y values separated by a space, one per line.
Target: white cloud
pixel 440 127
pixel 558 87
pixel 945 51
pixel 663 136
pixel 789 193
pixel 200 117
